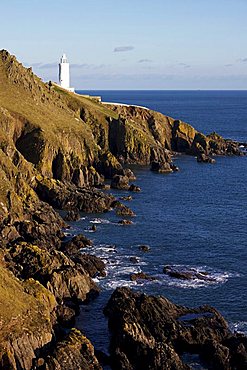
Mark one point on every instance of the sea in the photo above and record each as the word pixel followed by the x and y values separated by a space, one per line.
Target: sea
pixel 192 220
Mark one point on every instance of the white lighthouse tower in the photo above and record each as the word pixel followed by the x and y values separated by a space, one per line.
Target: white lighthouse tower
pixel 64 79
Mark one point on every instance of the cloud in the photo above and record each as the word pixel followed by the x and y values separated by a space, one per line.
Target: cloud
pixel 123 49
pixel 145 61
pixel 48 65
pixel 244 60
pixel 184 65
pixel 228 65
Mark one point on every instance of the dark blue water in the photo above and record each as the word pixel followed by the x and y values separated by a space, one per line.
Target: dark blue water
pixel 195 218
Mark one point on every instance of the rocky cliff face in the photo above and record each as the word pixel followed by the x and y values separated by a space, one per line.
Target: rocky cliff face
pixel 55 148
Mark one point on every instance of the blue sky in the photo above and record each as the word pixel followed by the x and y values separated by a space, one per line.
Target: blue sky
pixel 131 44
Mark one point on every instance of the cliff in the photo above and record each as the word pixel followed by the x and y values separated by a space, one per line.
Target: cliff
pixel 56 147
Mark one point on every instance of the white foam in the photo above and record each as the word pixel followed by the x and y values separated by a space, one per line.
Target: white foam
pixel 213 277
pixel 100 221
pixel 239 326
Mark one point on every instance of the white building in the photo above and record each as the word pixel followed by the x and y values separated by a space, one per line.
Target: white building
pixel 64 79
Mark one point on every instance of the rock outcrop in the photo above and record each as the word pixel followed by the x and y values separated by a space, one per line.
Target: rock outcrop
pixel 56 149
pixel 150 332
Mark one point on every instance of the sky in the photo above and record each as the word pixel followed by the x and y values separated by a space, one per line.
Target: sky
pixel 131 44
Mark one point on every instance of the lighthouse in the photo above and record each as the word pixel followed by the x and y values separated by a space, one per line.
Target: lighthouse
pixel 64 79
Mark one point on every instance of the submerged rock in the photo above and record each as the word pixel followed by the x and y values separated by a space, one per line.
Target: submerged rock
pixel 125 222
pixel 186 273
pixel 141 276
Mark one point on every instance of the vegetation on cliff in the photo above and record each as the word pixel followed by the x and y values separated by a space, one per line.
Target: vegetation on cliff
pixel 55 148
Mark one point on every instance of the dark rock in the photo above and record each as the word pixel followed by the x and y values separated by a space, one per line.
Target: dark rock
pixel 122 210
pixel 174 167
pixel 161 167
pixel 75 351
pixel 141 276
pixel 94 228
pixel 103 358
pixel 72 215
pixel 134 259
pixel 120 182
pixel 93 265
pixel 65 316
pixel 73 245
pixel 203 158
pixel 127 198
pixel 148 332
pixel 103 186
pixel 144 248
pixel 184 273
pixel 125 222
pixel 130 174
pixel 57 272
pixel 134 188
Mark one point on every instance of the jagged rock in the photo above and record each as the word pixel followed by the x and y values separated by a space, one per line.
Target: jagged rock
pixel 73 245
pixel 134 188
pixel 161 167
pixel 129 173
pixel 73 352
pixel 120 182
pixel 65 316
pixel 92 264
pixel 123 210
pixel 150 332
pixel 72 215
pixel 203 158
pixel 58 273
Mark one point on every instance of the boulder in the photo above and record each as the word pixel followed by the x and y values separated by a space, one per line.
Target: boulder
pixel 120 182
pixel 134 188
pixel 122 210
pixel 144 248
pixel 161 167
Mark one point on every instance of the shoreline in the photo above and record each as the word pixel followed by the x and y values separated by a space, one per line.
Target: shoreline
pixel 57 157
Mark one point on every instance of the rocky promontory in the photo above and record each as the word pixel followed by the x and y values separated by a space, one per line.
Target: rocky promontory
pixel 153 333
pixel 56 150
